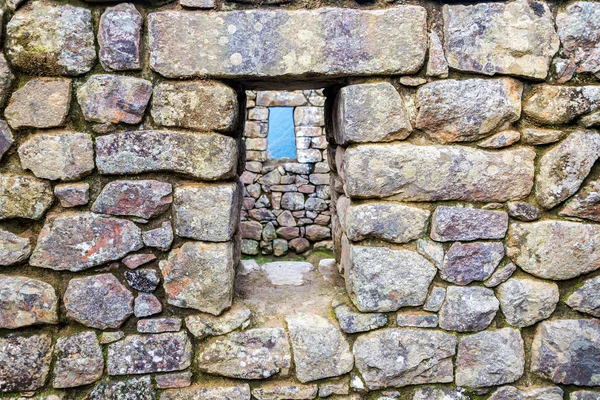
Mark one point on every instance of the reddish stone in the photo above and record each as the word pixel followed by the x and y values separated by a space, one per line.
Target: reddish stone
pixel 135 260
pixel 299 245
pixel 144 199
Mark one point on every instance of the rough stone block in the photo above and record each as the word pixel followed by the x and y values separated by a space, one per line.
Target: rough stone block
pixel 451 224
pixel 25 302
pixel 141 198
pixel 119 36
pixel 24 196
pixel 24 362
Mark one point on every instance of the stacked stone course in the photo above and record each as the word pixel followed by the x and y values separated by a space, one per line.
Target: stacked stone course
pixel 462 157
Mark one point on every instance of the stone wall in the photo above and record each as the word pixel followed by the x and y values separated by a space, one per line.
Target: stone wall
pixel 286 202
pixel 465 186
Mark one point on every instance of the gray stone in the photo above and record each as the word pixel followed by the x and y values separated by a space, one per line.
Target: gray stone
pixel 119 36
pixel 254 354
pixel 7 78
pixel 537 136
pixel 6 136
pixel 586 298
pixel 309 48
pixel 371 112
pixel 435 299
pixel 146 305
pixel 238 392
pixel 25 302
pixel 62 156
pixel 526 301
pixel 578 26
pixel 516 38
pixel 40 103
pixel 292 201
pixel 160 238
pixel 24 362
pixel 159 325
pixel 289 273
pixel 457 223
pixel 554 105
pixel 563 168
pixel 584 395
pixel 466 110
pixel 77 241
pixel 201 105
pixel 203 325
pixel 529 393
pixel 500 140
pixel 144 279
pixel 13 248
pixel 98 301
pixel 439 393
pixel 500 275
pixel 143 354
pixel 585 203
pixel 133 261
pixel 431 173
pixel 174 380
pixel 468 262
pixel 284 391
pixel 566 351
pixel 114 98
pixel 51 38
pixel 490 358
pixel 320 350
pixel 139 198
pixel 79 360
pixel 72 194
pixel 316 233
pixel 401 357
pixel 379 279
pixel 418 319
pixel 131 389
pixel 203 156
pixel 523 211
pixel 395 223
pixel 557 250
pixel 352 321
pixel 24 197
pixel 468 309
pixel 209 212
pixel 433 251
pixel 437 65
pixel 200 275
pixel 280 98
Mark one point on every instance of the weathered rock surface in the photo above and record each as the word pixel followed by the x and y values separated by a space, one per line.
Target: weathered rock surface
pixel 79 360
pixel 467 110
pixel 159 325
pixel 285 390
pixel 391 222
pixel 433 251
pixel 462 224
pixel 584 395
pixel 500 140
pixel 144 279
pixel 63 156
pixel 254 354
pixel 141 198
pixel 146 305
pixel 174 380
pixel 563 168
pixel 13 248
pixel 468 309
pixel 24 197
pixel 515 38
pixel 320 350
pixel 209 212
pixel 585 203
pixel 73 194
pixel 160 238
pixel 550 104
pixel 25 302
pixel 432 173
pixel 318 42
pixel 201 105
pixel 566 351
pixel 119 36
pixel 98 301
pixel 133 261
pixel 203 156
pixel 402 357
pixel 529 393
pixel 556 250
pixel 525 301
pixel 131 389
pixel 114 98
pixel 587 297
pixel 203 325
pixel 238 392
pixel 24 362
pixel 538 136
pixel 40 103
pixel 7 79
pixel 417 319
pixel 352 321
pixel 468 262
pixel 51 38
pixel 500 275
pixel 438 393
pixel 372 112
pixel 200 275
pixel 379 279
pixel 6 136
pixel 490 358
pixel 144 354
pixel 435 299
pixel 78 240
pixel 578 28
pixel 523 211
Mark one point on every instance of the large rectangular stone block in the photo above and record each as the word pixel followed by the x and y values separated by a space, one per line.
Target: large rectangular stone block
pixel 404 171
pixel 282 43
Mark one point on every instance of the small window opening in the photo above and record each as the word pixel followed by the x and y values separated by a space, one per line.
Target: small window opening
pixel 281 141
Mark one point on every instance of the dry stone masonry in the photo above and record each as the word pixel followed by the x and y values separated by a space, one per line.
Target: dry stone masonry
pixel 447 153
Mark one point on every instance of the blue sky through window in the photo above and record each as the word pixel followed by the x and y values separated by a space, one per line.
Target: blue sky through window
pixel 281 141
